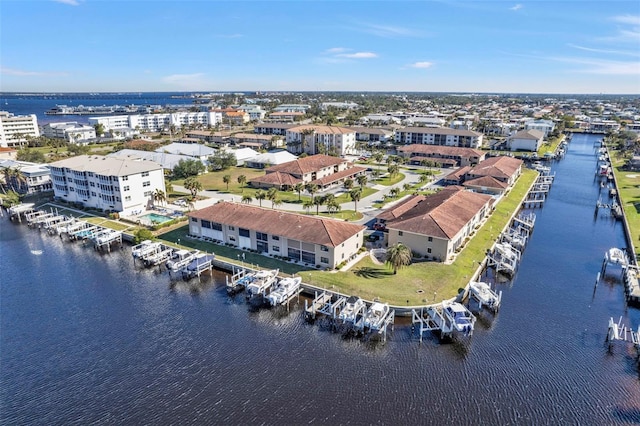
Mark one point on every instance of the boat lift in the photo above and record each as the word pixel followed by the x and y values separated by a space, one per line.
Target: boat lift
pixel 106 238
pixel 320 300
pixel 433 318
pixel 161 254
pixel 619 332
pixel 197 266
pixel 485 295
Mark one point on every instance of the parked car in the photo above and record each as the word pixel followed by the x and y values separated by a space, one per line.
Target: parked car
pixel 379 227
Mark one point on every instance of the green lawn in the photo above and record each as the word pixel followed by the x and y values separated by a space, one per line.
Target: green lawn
pixel 629 192
pixel 551 146
pixel 388 180
pixel 422 282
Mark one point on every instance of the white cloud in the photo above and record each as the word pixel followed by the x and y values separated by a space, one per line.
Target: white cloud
pixel 69 2
pixel 627 19
pixel 516 7
pixel 336 50
pixel 25 73
pixel 422 65
pixel 184 80
pixel 357 55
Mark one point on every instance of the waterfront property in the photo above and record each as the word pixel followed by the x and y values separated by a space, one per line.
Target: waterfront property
pixel 502 169
pixel 157 122
pixel 73 132
pixel 525 140
pixel 439 136
pixel 436 226
pixel 443 156
pixel 321 170
pixel 24 177
pixel 111 184
pixel 321 139
pixel 311 240
pixel 16 129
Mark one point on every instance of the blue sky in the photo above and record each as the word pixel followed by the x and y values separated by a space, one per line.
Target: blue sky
pixel 199 45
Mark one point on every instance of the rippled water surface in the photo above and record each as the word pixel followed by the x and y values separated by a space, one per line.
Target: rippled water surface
pixel 88 337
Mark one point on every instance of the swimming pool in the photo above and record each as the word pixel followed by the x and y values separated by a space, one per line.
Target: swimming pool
pixel 154 218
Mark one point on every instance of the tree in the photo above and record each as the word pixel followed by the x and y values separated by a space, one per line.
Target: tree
pixel 298 187
pixel 318 201
pixel 247 199
pixel 398 256
pixel 394 192
pixel 11 198
pixel 362 180
pixel 272 194
pixel 348 184
pixel 188 168
pixel 193 185
pixel 424 178
pixel 332 205
pixel 377 157
pixel 242 179
pixel 307 205
pixel 222 160
pixel 99 129
pixel 276 202
pixel 30 155
pixel 260 195
pixel 393 169
pixel 226 179
pixel 168 186
pixel 159 196
pixel 406 186
pixel 312 189
pixel 355 195
pixel 141 235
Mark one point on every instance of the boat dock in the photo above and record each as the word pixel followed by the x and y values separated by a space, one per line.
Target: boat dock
pixel 443 319
pixel 537 195
pixel 632 284
pixel 618 332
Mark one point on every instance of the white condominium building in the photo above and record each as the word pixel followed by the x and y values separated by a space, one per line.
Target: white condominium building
pixel 321 140
pixel 158 122
pixel 107 183
pixel 15 130
pixel 439 136
pixel 73 132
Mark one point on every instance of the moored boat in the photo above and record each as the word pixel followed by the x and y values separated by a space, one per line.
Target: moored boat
pixel 460 317
pixel 375 315
pixel 262 281
pixel 353 308
pixel 284 290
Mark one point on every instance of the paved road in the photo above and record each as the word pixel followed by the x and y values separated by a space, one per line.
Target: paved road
pixel 364 205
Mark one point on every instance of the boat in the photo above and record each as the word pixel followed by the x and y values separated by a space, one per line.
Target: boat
pixel 284 290
pixel 616 256
pixel 375 315
pixel 353 308
pixel 262 281
pixel 483 293
pixel 145 247
pixel 460 317
pixel 180 259
pixel 201 262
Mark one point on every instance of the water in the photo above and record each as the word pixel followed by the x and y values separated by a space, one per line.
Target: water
pixel 24 104
pixel 88 337
pixel 155 218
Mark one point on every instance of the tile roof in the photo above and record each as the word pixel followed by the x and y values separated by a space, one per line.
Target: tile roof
pixel 487 182
pixel 441 215
pixel 308 164
pixel 276 178
pixel 532 134
pixel 498 167
pixel 352 171
pixel 323 130
pixel 311 229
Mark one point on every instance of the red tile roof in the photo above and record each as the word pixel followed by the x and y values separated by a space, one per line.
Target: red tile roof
pixel 276 178
pixel 501 167
pixel 311 229
pixel 441 215
pixel 310 164
pixel 486 181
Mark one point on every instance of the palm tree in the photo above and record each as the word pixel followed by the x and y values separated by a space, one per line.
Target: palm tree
pixel 355 195
pixel 332 206
pixel 424 178
pixel 406 186
pixel 377 157
pixel 312 189
pixel 260 195
pixel 393 170
pixel 276 202
pixel 318 201
pixel 242 179
pixel 362 180
pixel 348 184
pixel 307 205
pixel 159 196
pixel 247 199
pixel 193 185
pixel 394 192
pixel 298 187
pixel 398 256
pixel 272 194
pixel 168 186
pixel 226 179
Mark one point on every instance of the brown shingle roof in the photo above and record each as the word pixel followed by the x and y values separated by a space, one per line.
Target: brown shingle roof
pixel 339 175
pixel 440 215
pixel 304 165
pixel 311 229
pixel 486 181
pixel 276 178
pixel 441 150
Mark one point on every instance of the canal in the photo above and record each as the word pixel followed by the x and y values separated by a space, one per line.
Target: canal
pixel 91 338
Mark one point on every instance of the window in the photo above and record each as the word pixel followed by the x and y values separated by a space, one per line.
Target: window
pixel 148 193
pixel 324 260
pixel 232 238
pixel 275 237
pixel 324 248
pixel 428 250
pixel 243 232
pixel 262 236
pixel 126 188
pixel 216 226
pixel 193 219
pixel 92 184
pixel 275 248
pixel 430 239
pixel 123 178
pixel 145 174
pixel 127 198
pixel 93 194
pixel 400 233
pixel 231 228
pixel 146 183
pixel 206 224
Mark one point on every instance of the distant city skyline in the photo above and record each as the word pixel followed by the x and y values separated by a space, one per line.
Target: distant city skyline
pixel 564 47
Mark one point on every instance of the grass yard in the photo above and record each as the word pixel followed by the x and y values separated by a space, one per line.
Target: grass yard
pixel 551 146
pixel 422 282
pixel 629 193
pixel 388 180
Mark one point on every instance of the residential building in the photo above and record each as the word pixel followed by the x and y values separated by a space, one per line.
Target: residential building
pixel 113 184
pixel 373 135
pixel 158 122
pixel 443 156
pixel 436 226
pixel 544 126
pixel 321 140
pixel 604 126
pixel 286 116
pixel 73 132
pixel 233 116
pixel 241 154
pixel 439 136
pixel 166 160
pixel 256 113
pixel 279 129
pixel 257 141
pixel 321 170
pixel 525 140
pixel 503 169
pixel 311 240
pixel 194 150
pixel 301 108
pixel 16 130
pixel 271 158
pixel 32 177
